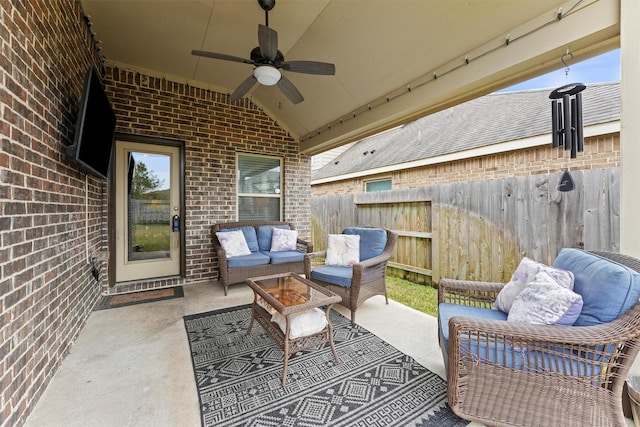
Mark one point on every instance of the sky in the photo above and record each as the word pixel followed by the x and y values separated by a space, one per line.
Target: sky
pixel 601 68
pixel 158 164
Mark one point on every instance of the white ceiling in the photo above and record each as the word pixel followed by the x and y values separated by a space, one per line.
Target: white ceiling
pixel 379 48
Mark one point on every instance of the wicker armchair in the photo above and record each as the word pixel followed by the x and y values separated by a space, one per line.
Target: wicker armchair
pixel 570 376
pixel 368 277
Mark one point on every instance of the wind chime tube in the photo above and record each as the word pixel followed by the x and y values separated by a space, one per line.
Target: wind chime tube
pixel 566 106
pixel 554 124
pixel 560 124
pixel 574 129
pixel 579 134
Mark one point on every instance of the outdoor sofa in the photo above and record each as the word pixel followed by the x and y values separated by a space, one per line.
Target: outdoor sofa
pixel 505 372
pixel 261 259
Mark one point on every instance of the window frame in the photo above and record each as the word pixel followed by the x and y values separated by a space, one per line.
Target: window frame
pixel 240 194
pixel 382 179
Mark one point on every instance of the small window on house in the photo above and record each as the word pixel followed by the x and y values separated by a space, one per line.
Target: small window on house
pixel 379 185
pixel 259 187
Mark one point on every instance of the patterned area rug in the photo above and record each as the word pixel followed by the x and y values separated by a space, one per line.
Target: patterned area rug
pixel 239 378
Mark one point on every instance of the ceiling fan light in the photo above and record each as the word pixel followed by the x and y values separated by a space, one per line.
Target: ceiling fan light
pixel 267 75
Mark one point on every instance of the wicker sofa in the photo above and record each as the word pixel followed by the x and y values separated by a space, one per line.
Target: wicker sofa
pixel 262 261
pixel 502 373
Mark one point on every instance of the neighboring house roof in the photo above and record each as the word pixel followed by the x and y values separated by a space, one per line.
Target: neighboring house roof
pixel 319 160
pixel 492 119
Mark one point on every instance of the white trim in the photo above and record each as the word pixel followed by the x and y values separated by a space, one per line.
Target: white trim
pixel 534 141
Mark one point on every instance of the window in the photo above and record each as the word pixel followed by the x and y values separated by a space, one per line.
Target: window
pixel 379 185
pixel 259 184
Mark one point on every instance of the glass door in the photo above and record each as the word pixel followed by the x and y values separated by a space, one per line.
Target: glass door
pixel 148 216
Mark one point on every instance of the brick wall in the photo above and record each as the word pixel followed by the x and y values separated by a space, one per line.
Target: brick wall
pixel 46 289
pixel 213 133
pixel 48 207
pixel 601 152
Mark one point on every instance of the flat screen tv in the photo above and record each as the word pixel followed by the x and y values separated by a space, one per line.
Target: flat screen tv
pixel 95 128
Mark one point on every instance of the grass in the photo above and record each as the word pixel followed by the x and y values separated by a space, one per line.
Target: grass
pixel 423 298
pixel 153 237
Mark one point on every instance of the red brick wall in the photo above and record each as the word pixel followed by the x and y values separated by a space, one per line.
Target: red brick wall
pixel 213 132
pixel 600 152
pixel 46 288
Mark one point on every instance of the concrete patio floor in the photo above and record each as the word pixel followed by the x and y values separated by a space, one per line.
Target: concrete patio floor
pixel 131 366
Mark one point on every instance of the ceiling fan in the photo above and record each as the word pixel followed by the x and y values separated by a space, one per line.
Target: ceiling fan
pixel 268 61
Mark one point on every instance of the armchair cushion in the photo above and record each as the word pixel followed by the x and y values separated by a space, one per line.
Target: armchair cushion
pixel 608 289
pixel 233 243
pixel 265 233
pixel 544 302
pixel 372 241
pixel 448 310
pixel 334 274
pixel 526 271
pixel 342 250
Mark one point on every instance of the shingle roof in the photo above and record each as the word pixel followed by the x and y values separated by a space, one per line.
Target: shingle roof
pixel 488 120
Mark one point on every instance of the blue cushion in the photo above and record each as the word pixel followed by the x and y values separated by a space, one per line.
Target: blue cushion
pixel 284 257
pixel 520 358
pixel 446 311
pixel 608 289
pixel 264 236
pixel 372 241
pixel 334 274
pixel 256 258
pixel 249 235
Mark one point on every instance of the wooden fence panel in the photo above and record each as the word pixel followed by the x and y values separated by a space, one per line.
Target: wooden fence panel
pixel 480 230
pixel 612 210
pixel 330 215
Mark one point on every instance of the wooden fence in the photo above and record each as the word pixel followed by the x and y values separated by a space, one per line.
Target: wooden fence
pixel 480 230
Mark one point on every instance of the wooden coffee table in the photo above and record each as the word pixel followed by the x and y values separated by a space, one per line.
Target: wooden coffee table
pixel 289 294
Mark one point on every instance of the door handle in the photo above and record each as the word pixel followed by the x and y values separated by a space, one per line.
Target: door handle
pixel 175 223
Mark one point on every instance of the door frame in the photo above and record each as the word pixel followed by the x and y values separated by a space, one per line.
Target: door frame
pixel 111 210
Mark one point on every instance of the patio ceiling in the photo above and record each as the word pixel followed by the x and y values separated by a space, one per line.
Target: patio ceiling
pixel 386 52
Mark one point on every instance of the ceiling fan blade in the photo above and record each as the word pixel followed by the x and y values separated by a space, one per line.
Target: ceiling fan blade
pixel 268 42
pixel 310 67
pixel 290 90
pixel 220 56
pixel 243 88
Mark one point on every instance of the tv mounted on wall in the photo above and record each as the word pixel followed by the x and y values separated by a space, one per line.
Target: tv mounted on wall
pixel 95 128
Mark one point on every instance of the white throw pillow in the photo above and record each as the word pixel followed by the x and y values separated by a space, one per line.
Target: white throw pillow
pixel 525 273
pixel 283 240
pixel 544 302
pixel 302 324
pixel 343 249
pixel 233 243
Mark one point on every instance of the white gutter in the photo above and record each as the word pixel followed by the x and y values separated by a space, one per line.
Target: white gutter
pixel 534 141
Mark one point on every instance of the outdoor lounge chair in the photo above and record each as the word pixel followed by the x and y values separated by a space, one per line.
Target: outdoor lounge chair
pixel 358 282
pixel 501 372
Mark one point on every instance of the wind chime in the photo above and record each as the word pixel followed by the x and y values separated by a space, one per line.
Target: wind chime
pixel 566 121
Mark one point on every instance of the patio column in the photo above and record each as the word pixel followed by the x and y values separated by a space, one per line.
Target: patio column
pixel 630 127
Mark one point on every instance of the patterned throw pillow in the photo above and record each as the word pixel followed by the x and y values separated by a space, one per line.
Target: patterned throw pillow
pixel 525 273
pixel 343 249
pixel 233 243
pixel 283 240
pixel 544 302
